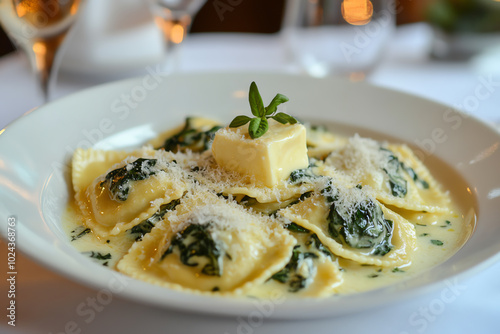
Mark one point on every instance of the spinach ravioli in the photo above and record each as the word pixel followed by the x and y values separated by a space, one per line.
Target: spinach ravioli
pixel 357 215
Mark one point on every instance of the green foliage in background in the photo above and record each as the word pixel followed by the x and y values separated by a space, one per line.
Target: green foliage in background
pixel 465 15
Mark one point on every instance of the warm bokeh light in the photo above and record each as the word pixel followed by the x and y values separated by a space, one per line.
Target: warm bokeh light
pixel 21 10
pixel 357 12
pixel 74 7
pixel 173 31
pixel 39 48
pixel 177 33
pixel 357 76
pixel 239 94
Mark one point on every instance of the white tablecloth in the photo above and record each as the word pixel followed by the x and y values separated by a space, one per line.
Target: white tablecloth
pixel 47 302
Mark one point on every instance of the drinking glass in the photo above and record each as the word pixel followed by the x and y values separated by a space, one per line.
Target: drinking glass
pixel 174 18
pixel 39 27
pixel 338 37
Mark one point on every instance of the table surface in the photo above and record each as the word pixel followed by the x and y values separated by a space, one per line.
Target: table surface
pixel 47 302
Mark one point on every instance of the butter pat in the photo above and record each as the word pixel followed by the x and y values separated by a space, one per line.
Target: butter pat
pixel 269 159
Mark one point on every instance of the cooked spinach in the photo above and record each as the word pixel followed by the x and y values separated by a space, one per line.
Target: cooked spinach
pixel 398 184
pixel 190 138
pixel 99 256
pixel 119 179
pixel 447 223
pixel 79 232
pixel 437 242
pixel 147 225
pixel 330 192
pixel 366 227
pixel 289 274
pixel 196 241
pixel 314 241
pixel 413 175
pixel 303 175
pixel 293 227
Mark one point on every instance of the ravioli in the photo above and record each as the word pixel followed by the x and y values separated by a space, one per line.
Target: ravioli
pixel 320 141
pixel 129 192
pixel 393 173
pixel 371 234
pixel 209 245
pixel 88 164
pixel 195 135
pixel 312 270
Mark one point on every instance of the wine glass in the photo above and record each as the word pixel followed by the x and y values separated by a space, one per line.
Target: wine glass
pixel 339 37
pixel 173 18
pixel 39 27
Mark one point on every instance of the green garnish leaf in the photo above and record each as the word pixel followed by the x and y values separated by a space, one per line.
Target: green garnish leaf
pixel 273 106
pixel 239 121
pixel 284 118
pixel 258 125
pixel 256 104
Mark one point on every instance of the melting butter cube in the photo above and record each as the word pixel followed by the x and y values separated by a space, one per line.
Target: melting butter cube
pixel 270 158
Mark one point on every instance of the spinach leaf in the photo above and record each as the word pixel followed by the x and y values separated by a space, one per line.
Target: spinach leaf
pixel 290 275
pixel 99 256
pixel 314 241
pixel 364 228
pixel 398 184
pixel 147 225
pixel 119 179
pixel 79 232
pixel 303 175
pixel 411 172
pixel 196 241
pixel 292 227
pixel 190 138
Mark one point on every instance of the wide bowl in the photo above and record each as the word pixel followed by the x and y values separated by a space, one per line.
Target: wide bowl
pixel 35 152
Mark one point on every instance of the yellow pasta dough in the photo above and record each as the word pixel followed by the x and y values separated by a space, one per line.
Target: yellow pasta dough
pixel 313 214
pixel 108 214
pixel 246 249
pixel 393 173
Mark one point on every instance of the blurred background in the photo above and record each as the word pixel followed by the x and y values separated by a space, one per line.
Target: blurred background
pixel 438 50
pixel 264 16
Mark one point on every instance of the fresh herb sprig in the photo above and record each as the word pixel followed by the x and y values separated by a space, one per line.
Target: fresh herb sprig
pixel 258 125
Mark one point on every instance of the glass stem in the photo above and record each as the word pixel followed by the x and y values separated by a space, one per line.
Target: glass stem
pixel 44 62
pixel 174 27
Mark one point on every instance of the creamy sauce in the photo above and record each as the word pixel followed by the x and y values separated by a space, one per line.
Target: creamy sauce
pixel 432 230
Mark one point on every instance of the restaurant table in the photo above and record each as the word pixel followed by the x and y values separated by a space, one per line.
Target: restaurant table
pixel 47 302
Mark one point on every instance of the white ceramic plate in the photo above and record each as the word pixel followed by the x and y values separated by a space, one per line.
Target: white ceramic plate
pixel 35 151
